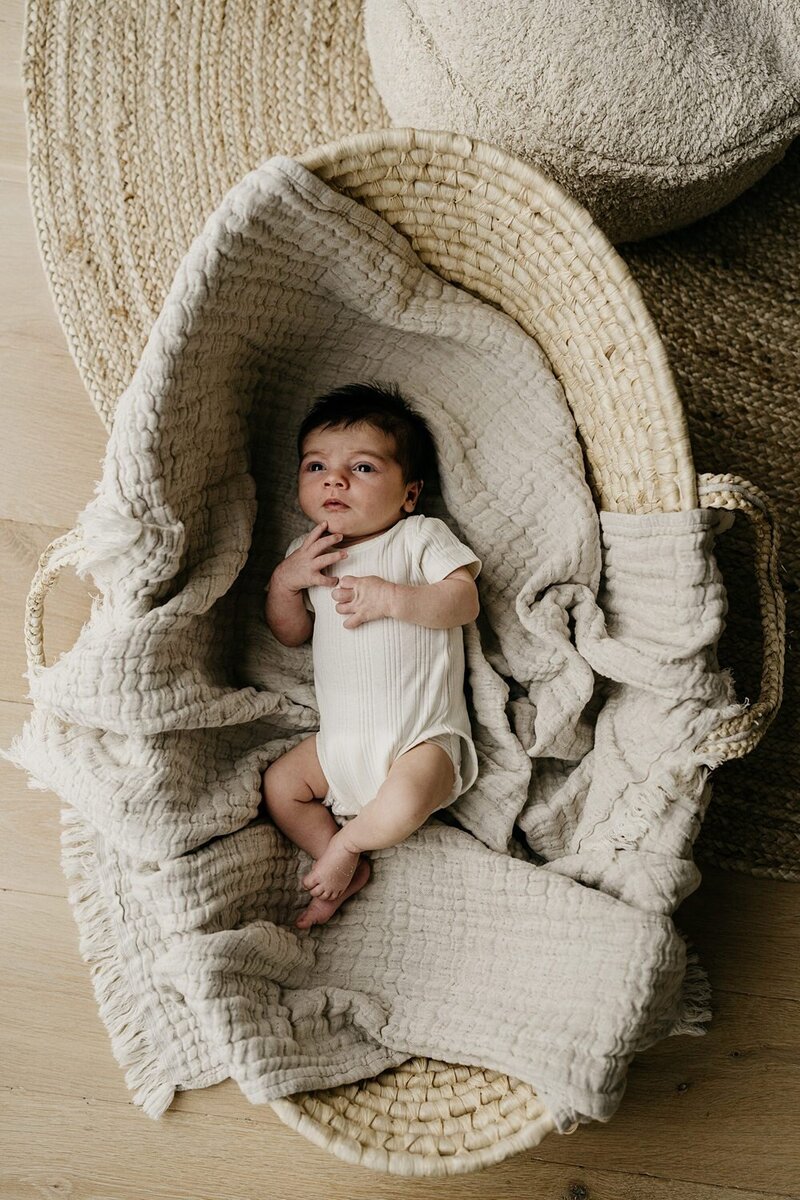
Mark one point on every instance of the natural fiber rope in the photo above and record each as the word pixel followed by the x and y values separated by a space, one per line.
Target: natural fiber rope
pixel 733 493
pixel 62 552
pixel 424 1117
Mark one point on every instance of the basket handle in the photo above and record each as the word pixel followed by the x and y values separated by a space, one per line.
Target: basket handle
pixel 741 734
pixel 64 551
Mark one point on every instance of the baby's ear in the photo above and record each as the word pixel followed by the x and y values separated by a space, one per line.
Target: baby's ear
pixel 414 496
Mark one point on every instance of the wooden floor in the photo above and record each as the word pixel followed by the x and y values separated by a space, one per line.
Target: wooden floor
pixel 703 1118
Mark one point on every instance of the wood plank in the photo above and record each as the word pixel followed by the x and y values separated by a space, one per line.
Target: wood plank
pixel 97 1151
pixel 747 931
pixel 30 825
pixel 13 147
pixel 729 1090
pixel 53 439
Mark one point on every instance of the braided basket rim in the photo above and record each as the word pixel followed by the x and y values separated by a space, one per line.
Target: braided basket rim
pixel 630 418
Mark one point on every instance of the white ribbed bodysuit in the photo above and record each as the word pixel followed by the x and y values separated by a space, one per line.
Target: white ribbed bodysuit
pixel 387 685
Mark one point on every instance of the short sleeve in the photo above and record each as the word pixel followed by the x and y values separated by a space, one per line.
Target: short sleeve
pixel 290 549
pixel 440 552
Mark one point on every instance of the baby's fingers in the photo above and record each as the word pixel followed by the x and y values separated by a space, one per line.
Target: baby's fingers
pixel 322 560
pixel 315 534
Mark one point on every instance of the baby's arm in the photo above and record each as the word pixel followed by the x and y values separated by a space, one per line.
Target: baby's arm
pixel 443 605
pixel 302 567
pixel 286 614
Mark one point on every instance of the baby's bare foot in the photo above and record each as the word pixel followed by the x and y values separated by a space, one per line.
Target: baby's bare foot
pixel 333 870
pixel 319 911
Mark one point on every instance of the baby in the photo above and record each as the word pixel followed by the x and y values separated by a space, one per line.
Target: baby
pixel 394 743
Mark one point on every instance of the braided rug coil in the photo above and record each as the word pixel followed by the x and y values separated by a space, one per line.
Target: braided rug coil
pixel 139 122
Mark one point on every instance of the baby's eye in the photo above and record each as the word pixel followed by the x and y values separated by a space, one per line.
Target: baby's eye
pixel 310 466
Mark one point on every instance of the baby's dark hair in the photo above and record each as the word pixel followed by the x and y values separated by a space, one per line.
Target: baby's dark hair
pixel 383 406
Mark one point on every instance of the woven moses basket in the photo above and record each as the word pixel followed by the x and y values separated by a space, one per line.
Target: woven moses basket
pixel 500 229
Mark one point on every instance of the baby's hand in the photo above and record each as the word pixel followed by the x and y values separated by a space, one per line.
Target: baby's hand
pixel 303 567
pixel 364 597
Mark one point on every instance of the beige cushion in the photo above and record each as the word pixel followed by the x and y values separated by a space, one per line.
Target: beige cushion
pixel 651 115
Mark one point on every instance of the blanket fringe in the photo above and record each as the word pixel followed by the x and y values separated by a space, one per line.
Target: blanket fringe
pixel 131 1039
pixel 16 754
pixel 644 802
pixel 107 533
pixel 695 1010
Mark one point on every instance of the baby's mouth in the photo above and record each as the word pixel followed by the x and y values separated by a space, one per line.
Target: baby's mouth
pixel 335 504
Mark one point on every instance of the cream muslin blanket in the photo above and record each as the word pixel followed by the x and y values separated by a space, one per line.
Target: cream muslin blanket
pixel 526 929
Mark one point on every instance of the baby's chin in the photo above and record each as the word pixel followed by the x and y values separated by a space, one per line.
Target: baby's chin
pixel 337 522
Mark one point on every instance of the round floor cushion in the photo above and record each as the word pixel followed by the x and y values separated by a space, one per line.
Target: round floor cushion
pixel 650 114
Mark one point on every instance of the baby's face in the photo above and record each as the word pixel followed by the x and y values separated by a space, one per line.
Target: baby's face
pixel 357 467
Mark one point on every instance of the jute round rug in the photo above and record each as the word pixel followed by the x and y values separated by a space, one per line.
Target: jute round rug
pixel 141 117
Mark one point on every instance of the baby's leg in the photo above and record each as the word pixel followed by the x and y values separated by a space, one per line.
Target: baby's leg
pixel 290 786
pixel 418 783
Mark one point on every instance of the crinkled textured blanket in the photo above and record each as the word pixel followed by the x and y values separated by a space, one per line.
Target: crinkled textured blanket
pixel 528 930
